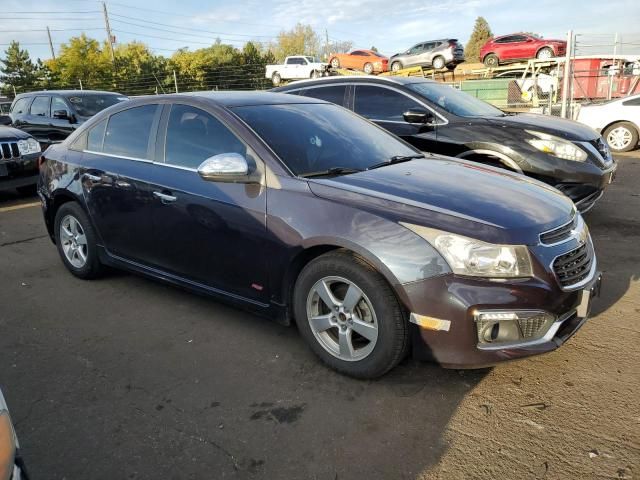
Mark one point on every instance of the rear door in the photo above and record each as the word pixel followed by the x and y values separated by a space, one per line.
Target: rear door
pixel 118 162
pixel 211 233
pixel 413 57
pixel 330 93
pixel 385 106
pixel 524 46
pixel 426 57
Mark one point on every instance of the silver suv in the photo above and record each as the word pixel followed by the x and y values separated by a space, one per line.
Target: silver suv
pixel 432 53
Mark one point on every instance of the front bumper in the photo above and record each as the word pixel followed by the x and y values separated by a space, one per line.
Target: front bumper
pixel 19 172
pixel 455 344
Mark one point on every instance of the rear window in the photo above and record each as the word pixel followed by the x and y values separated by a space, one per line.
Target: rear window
pixel 89 105
pixel 128 132
pixel 333 93
pixel 20 106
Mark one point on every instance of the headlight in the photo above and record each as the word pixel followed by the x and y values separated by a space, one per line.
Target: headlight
pixel 7 446
pixel 556 146
pixel 468 256
pixel 28 146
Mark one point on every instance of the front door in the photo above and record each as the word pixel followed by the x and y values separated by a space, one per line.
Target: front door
pixel 60 128
pixel 210 233
pixel 117 161
pixel 386 106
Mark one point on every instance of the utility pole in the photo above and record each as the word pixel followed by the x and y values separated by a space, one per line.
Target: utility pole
pixel 53 53
pixel 110 37
pixel 326 44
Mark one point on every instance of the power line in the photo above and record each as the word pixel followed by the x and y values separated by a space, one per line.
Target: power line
pixel 184 40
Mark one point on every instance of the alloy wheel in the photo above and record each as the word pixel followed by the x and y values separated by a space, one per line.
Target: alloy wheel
pixel 73 241
pixel 619 138
pixel 545 54
pixel 342 318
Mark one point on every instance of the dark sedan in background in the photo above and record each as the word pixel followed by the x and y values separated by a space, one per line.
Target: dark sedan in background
pixel 19 153
pixel 301 210
pixel 437 118
pixel 51 115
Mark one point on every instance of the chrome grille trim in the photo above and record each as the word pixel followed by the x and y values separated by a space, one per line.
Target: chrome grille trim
pixel 575 268
pixel 9 150
pixel 560 234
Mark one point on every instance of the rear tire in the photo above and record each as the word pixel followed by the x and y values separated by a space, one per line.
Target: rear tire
pixel 368 68
pixel 349 315
pixel 438 63
pixel 396 66
pixel 76 241
pixel 621 137
pixel 491 61
pixel 276 79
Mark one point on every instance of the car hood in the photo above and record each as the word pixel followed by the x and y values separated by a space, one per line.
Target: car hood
pixel 10 133
pixel 559 127
pixel 456 196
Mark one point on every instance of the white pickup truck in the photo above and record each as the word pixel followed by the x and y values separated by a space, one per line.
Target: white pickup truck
pixel 296 67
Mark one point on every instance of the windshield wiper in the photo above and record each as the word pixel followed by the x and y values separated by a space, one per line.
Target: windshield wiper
pixel 330 171
pixel 395 159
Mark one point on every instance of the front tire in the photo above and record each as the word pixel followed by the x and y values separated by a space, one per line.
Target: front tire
pixel 315 74
pixel 491 61
pixel 349 315
pixel 621 137
pixel 438 63
pixel 76 241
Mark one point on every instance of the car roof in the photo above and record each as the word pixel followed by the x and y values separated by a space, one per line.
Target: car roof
pixel 394 80
pixel 233 98
pixel 75 93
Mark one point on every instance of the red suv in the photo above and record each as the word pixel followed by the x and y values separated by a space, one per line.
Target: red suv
pixel 520 46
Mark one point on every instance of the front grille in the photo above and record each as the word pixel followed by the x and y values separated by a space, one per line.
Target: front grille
pixel 575 266
pixel 559 234
pixel 9 150
pixel 603 150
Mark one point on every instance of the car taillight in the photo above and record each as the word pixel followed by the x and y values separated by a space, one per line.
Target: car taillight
pixel 453 43
pixel 384 60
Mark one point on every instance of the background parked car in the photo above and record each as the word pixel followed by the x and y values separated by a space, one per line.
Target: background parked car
pixel 286 204
pixel 367 61
pixel 544 83
pixel 618 120
pixel 19 153
pixel 50 116
pixel 295 68
pixel 438 118
pixel 520 46
pixel 432 53
pixel 11 463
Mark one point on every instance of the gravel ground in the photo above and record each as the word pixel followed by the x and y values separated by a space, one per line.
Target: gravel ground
pixel 126 378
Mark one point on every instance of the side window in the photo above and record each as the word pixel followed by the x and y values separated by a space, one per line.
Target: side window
pixel 504 40
pixel 378 103
pixel 193 135
pixel 58 104
pixel 429 46
pixel 333 93
pixel 128 132
pixel 20 106
pixel 40 106
pixel 95 137
pixel 359 53
pixel 632 103
pixel 416 49
pixel 518 38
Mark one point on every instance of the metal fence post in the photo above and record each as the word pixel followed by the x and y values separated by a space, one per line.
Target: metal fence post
pixel 175 80
pixel 613 68
pixel 567 73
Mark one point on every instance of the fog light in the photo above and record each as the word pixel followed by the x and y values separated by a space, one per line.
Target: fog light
pixel 496 327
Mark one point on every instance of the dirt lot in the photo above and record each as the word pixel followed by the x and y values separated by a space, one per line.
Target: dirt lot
pixel 126 378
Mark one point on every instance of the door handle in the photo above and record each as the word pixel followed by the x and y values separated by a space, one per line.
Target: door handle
pixel 93 178
pixel 165 198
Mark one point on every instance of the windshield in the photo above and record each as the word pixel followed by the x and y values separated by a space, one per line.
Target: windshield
pixel 317 137
pixel 312 60
pixel 454 101
pixel 89 105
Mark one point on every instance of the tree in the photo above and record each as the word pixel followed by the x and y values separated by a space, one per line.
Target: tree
pixel 481 33
pixel 374 49
pixel 340 46
pixel 17 71
pixel 300 40
pixel 83 60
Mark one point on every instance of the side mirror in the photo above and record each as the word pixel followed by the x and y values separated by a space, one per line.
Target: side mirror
pixel 62 114
pixel 418 116
pixel 225 167
pixel 5 120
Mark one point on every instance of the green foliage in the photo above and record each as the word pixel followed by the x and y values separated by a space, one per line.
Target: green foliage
pixel 374 49
pixel 481 33
pixel 17 71
pixel 84 60
pixel 300 40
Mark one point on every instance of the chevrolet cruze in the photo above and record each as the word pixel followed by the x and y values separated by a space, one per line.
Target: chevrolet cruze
pixel 305 212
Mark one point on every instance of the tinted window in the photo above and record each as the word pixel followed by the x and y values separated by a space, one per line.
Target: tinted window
pixel 378 103
pixel 518 38
pixel 416 49
pixel 128 132
pixel 504 40
pixel 40 107
pixel 20 106
pixel 193 135
pixel 96 136
pixel 295 61
pixel 454 101
pixel 429 46
pixel 359 53
pixel 333 93
pixel 312 137
pixel 632 103
pixel 89 105
pixel 58 104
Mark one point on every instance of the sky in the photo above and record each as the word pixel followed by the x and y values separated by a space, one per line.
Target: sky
pixel 166 25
